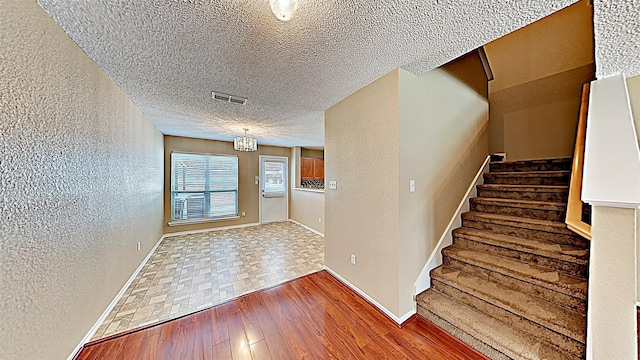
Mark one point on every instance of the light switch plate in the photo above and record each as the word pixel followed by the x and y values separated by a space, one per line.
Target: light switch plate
pixel 333 185
pixel 412 186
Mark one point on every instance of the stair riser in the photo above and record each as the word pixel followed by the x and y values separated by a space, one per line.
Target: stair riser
pixel 461 335
pixel 573 269
pixel 567 301
pixel 563 165
pixel 490 178
pixel 471 268
pixel 559 196
pixel 526 233
pixel 563 342
pixel 540 214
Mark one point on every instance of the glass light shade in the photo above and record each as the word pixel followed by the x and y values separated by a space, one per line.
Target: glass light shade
pixel 245 143
pixel 283 9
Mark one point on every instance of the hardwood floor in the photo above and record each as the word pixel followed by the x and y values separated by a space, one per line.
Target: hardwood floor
pixel 314 317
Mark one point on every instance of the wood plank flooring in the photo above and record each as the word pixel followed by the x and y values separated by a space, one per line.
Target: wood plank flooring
pixel 314 317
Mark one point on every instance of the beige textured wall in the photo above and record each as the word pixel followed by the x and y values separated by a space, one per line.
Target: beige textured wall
pixel 539 71
pixel 248 169
pixel 637 256
pixel 633 85
pixel 361 154
pixel 444 140
pixel 312 153
pixel 612 287
pixel 81 181
pixel 468 69
pixel 307 207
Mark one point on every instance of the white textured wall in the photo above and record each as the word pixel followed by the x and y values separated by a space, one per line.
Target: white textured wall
pixel 361 154
pixel 611 317
pixel 617 35
pixel 443 127
pixel 81 175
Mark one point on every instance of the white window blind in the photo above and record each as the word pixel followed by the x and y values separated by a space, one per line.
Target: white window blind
pixel 203 186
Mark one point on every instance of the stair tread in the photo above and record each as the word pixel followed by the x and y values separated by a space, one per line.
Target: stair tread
pixel 530 204
pixel 538 275
pixel 547 249
pixel 546 173
pixel 493 332
pixel 539 188
pixel 549 315
pixel 535 161
pixel 534 224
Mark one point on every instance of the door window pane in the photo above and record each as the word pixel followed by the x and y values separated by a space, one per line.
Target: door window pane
pixel 274 177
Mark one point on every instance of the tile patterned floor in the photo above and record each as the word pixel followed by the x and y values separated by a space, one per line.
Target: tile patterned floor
pixel 191 272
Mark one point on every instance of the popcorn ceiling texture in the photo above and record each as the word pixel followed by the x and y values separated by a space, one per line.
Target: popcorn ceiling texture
pixel 617 37
pixel 168 56
pixel 81 172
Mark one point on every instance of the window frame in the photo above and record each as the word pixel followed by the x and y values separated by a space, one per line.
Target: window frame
pixel 206 193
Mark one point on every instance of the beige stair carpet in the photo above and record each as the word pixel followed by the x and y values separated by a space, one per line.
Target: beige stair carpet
pixel 514 282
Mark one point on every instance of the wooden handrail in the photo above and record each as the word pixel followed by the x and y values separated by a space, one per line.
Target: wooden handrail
pixel 574 206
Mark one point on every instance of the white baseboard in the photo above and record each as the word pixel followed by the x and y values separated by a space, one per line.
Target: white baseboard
pixel 191 232
pixel 435 260
pixel 386 311
pixel 307 227
pixel 115 300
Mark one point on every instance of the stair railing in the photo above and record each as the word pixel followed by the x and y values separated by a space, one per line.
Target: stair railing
pixel 573 218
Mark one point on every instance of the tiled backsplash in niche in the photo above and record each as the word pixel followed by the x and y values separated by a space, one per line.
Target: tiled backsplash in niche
pixel 312 184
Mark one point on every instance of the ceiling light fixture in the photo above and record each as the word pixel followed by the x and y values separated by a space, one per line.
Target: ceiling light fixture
pixel 283 9
pixel 245 143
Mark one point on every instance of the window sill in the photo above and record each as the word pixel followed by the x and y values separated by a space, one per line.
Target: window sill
pixel 199 221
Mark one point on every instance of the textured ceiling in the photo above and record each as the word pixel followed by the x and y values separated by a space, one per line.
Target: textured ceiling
pixel 617 33
pixel 169 55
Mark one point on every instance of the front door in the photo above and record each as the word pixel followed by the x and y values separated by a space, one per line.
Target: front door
pixel 273 189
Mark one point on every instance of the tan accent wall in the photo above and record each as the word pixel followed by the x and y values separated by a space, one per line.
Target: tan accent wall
pixel 633 85
pixel 312 153
pixel 539 71
pixel 307 207
pixel 361 154
pixel 81 177
pixel 444 141
pixel 468 69
pixel 248 169
pixel 431 129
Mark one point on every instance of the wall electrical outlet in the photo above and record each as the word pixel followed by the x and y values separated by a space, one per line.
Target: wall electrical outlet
pixel 353 259
pixel 412 186
pixel 138 246
pixel 333 185
pixel 244 214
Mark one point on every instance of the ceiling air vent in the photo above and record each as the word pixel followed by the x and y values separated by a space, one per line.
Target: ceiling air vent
pixel 229 98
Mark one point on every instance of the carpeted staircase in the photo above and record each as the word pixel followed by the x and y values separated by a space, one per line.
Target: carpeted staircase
pixel 514 283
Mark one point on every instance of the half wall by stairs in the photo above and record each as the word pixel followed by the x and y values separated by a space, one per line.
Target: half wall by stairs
pixel 513 284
